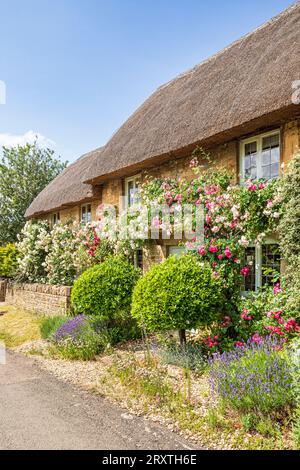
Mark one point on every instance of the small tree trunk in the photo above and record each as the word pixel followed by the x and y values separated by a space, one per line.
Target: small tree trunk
pixel 182 339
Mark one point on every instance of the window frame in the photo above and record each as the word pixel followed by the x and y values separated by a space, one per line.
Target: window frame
pixel 131 179
pixel 258 263
pixel 56 216
pixel 259 142
pixel 85 206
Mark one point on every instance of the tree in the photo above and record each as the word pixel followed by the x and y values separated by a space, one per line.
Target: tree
pixel 177 294
pixel 24 172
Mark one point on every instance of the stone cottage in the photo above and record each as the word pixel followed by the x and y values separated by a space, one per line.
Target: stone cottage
pixel 242 105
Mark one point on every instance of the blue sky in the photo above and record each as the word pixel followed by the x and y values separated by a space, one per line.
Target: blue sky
pixel 76 69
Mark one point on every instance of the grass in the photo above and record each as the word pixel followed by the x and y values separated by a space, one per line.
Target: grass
pixel 190 358
pixel 49 325
pixel 18 327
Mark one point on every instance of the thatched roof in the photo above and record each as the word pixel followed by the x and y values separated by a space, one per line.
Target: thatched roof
pixel 67 188
pixel 246 86
pixel 248 82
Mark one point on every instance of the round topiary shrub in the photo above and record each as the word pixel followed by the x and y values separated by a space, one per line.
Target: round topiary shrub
pixel 180 293
pixel 105 290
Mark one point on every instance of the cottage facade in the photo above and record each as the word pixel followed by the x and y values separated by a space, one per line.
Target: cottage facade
pixel 241 105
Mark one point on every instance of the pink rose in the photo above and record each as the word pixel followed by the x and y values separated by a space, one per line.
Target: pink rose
pixel 227 252
pixel 245 271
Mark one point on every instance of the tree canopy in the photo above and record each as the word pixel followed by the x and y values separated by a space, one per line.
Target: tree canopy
pixel 24 172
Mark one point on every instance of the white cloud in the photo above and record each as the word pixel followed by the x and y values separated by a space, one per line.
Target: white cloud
pixel 12 140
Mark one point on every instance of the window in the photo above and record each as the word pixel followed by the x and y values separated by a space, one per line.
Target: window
pixel 260 156
pixel 86 213
pixel 176 251
pixel 264 263
pixel 55 218
pixel 138 259
pixel 132 190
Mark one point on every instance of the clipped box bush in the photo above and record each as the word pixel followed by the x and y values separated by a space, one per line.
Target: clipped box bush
pixel 8 260
pixel 180 293
pixel 105 290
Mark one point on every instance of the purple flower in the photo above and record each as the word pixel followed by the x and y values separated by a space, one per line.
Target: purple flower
pixel 252 377
pixel 71 328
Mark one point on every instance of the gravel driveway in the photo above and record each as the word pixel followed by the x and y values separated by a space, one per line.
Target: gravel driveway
pixel 37 411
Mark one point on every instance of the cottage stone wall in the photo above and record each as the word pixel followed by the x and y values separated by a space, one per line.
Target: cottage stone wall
pixel 290 140
pixel 40 298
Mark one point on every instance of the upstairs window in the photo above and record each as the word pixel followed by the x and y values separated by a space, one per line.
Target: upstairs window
pixel 132 191
pixel 86 213
pixel 260 157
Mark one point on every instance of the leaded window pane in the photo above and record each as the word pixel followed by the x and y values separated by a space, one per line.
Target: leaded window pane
pixel 270 263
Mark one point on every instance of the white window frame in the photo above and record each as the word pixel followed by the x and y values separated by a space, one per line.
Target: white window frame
pixel 258 262
pixel 258 139
pixel 132 179
pixel 85 206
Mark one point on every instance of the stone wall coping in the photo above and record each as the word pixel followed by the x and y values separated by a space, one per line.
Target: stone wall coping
pixel 42 288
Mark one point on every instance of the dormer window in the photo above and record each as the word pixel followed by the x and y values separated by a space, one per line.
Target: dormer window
pixel 260 157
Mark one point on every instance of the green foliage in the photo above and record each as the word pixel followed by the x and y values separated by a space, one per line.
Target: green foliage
pixel 191 357
pixel 117 331
pixel 77 339
pixel 249 421
pixel 8 260
pixel 289 229
pixel 289 226
pixel 180 293
pixel 105 290
pixel 24 172
pixel 296 428
pixel 49 325
pixel 85 347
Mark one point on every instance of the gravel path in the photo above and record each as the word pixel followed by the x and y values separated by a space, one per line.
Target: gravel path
pixel 38 411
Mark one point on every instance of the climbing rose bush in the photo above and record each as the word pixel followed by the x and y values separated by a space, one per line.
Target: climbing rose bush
pixel 235 217
pixel 62 259
pixel 32 250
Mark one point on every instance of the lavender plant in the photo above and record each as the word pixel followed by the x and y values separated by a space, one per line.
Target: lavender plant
pixel 71 328
pixel 255 377
pixel 76 339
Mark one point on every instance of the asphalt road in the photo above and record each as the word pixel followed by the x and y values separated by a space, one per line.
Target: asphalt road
pixel 37 411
